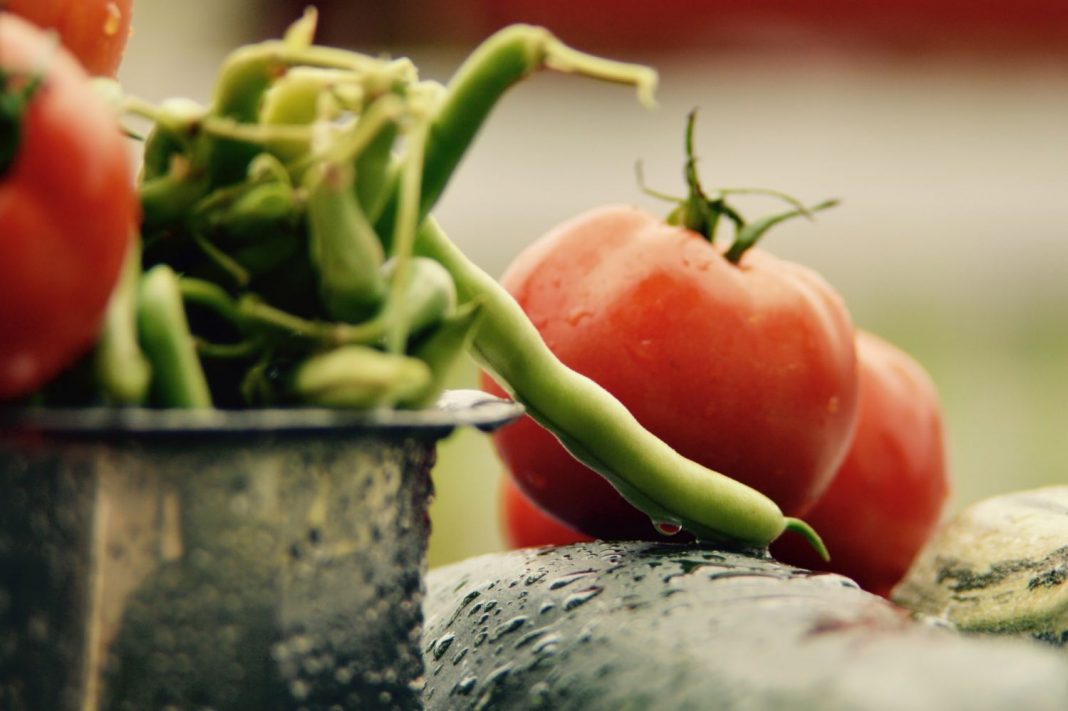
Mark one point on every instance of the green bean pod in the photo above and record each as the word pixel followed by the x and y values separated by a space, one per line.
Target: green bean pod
pixel 298 96
pixel 358 377
pixel 597 429
pixel 496 65
pixel 345 250
pixel 178 378
pixel 122 370
pixel 167 198
pixel 429 294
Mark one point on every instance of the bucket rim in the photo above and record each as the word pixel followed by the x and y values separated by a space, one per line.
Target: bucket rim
pixel 455 408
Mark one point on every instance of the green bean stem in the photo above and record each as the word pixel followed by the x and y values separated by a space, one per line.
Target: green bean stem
pixel 595 427
pixel 345 250
pixel 407 223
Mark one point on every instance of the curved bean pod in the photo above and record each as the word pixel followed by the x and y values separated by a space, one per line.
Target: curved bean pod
pixel 597 429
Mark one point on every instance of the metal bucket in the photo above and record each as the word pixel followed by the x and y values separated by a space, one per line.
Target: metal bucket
pixel 220 560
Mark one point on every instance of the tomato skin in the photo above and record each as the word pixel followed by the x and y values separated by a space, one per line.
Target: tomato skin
pixel 748 369
pixel 94 31
pixel 67 208
pixel 526 526
pixel 887 498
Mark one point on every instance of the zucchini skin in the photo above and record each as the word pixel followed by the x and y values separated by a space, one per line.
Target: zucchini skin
pixel 998 567
pixel 646 625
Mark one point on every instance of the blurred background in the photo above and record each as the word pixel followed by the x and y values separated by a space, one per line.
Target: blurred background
pixel 942 125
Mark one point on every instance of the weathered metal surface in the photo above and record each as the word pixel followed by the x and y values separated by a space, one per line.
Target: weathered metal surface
pixel 253 560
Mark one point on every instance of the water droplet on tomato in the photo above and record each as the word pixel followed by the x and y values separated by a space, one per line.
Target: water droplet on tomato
pixel 576 316
pixel 113 20
pixel 642 350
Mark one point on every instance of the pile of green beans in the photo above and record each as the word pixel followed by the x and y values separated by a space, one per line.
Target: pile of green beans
pixel 288 257
pixel 276 262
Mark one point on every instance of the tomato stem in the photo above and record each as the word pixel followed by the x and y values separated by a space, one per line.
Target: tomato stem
pixel 701 213
pixel 14 102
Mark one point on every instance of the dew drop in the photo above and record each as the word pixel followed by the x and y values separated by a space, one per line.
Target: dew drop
pixel 641 350
pixel 299 689
pixel 547 645
pixel 510 626
pixel 442 645
pixel 667 528
pixel 539 694
pixel 113 20
pixel 576 316
pixel 569 578
pixel 581 597
pixel 465 685
pixel 531 637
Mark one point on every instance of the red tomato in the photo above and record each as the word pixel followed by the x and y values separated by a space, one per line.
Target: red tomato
pixel 748 369
pixel 95 31
pixel 888 496
pixel 527 526
pixel 67 207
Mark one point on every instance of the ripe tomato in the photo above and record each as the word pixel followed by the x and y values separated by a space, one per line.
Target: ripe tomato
pixel 746 368
pixel 888 496
pixel 67 208
pixel 526 526
pixel 94 31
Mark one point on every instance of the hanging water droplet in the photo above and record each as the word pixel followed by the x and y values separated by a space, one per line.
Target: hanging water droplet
pixel 667 528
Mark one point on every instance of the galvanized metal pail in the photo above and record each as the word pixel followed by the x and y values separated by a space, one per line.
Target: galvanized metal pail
pixel 217 560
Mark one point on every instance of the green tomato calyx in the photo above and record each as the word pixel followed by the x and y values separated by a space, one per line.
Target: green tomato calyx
pixel 16 91
pixel 702 212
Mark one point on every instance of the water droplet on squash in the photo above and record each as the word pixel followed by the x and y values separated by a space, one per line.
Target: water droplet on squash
pixel 569 578
pixel 465 685
pixel 441 646
pixel 581 597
